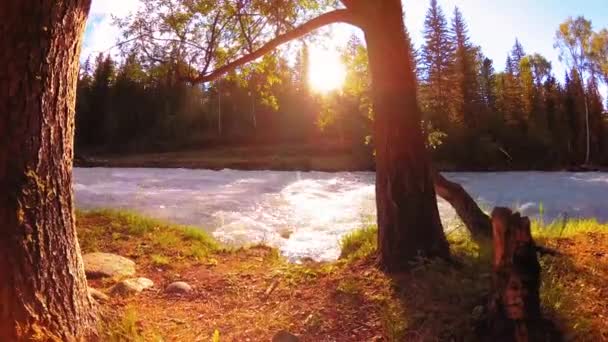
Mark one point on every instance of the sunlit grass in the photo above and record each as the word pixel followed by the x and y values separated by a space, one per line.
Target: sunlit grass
pixel 160 260
pixel 107 230
pixel 359 243
pixel 126 328
pixel 567 228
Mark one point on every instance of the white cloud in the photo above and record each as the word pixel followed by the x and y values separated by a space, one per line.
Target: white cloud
pixel 115 7
pixel 100 34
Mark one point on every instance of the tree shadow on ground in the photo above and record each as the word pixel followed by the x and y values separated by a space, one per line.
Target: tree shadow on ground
pixel 446 301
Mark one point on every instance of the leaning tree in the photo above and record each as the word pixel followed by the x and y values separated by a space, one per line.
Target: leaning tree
pixel 43 289
pixel 211 38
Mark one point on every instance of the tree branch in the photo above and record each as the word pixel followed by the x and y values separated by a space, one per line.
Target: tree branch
pixel 337 16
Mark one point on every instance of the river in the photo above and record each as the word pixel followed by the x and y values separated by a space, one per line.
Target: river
pixel 306 213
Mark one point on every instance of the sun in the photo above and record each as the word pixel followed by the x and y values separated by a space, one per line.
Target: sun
pixel 326 72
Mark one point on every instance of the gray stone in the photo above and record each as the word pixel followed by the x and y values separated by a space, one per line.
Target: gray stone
pixel 179 287
pixel 99 265
pixel 285 336
pixel 125 289
pixel 130 287
pixel 98 295
pixel 145 283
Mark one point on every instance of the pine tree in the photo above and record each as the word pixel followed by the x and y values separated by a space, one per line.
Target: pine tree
pixel 509 68
pixel 487 84
pixel 464 73
pixel 101 97
pixel 83 105
pixel 513 110
pixel 509 100
pixel 127 103
pixel 436 63
pixel 575 106
pixel 412 51
pixel 517 54
pixel 596 125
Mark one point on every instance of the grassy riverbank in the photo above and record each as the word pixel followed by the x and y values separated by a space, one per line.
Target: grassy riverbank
pixel 248 294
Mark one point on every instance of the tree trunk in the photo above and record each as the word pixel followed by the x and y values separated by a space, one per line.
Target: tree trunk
pixel 587 129
pixel 514 312
pixel 476 221
pixel 408 218
pixel 43 289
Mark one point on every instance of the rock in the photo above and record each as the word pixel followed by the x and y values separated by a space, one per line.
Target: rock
pixel 179 287
pixel 129 287
pixel 99 265
pixel 145 283
pixel 98 295
pixel 125 288
pixel 284 336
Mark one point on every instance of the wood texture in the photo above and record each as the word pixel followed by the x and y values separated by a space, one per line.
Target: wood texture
pixel 43 289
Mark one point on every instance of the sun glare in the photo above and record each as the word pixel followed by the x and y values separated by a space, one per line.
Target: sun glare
pixel 326 72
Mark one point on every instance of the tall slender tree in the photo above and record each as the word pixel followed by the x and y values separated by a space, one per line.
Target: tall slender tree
pixel 573 39
pixel 517 54
pixel 487 83
pixel 436 60
pixel 464 72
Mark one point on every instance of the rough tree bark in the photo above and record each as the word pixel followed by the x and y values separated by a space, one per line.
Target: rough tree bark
pixel 43 289
pixel 408 218
pixel 514 312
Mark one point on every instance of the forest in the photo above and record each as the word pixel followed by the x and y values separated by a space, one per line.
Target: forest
pixel 474 117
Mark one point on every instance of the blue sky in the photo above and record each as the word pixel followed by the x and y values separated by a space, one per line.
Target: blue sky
pixel 493 24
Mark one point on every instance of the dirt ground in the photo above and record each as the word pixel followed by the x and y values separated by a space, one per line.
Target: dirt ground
pixel 250 294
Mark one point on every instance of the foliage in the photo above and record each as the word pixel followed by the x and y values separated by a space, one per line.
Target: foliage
pixel 203 35
pixel 599 53
pixel 473 116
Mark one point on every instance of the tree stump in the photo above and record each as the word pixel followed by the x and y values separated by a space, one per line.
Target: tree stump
pixel 514 312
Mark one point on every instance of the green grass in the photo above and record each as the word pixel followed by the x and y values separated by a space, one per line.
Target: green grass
pixel 142 235
pixel 362 243
pixel 359 243
pixel 567 228
pixel 160 260
pixel 126 329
